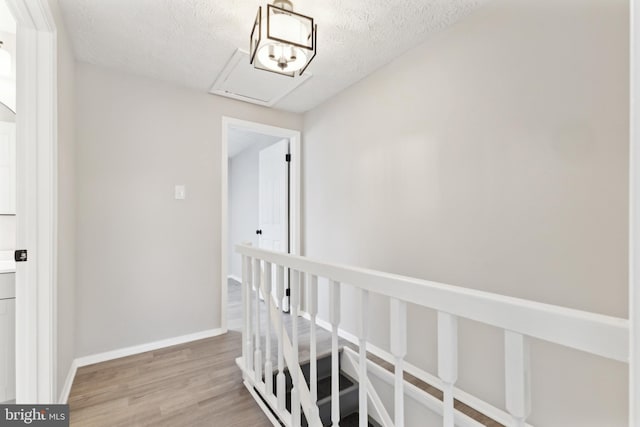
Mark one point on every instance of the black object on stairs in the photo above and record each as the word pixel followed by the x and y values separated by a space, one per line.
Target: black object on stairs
pixel 348 394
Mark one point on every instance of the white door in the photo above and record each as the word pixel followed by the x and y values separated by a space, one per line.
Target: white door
pixel 273 201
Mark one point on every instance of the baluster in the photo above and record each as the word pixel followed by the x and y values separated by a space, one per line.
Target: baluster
pixel 364 330
pixel 293 370
pixel 312 307
pixel 398 316
pixel 243 291
pixel 268 366
pixel 447 363
pixel 334 314
pixel 517 377
pixel 257 358
pixel 249 311
pixel 280 379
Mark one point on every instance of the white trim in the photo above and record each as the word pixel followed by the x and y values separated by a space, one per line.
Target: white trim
pixel 241 57
pixel 142 348
pixel 294 194
pixel 66 389
pixel 128 351
pixel 261 404
pixel 256 397
pixel 479 405
pixel 36 208
pixel 234 277
pixel 594 333
pixel 634 218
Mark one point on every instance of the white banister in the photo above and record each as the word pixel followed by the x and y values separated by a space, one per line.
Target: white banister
pixel 249 310
pixel 245 318
pixel 447 363
pixel 517 377
pixel 520 320
pixel 293 363
pixel 362 366
pixel 268 365
pixel 398 317
pixel 294 371
pixel 312 309
pixel 594 333
pixel 257 357
pixel 280 378
pixel 334 315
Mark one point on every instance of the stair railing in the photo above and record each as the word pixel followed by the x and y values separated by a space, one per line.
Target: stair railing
pixel 520 320
pixel 257 282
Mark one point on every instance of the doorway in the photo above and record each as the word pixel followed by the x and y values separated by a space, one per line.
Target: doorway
pixel 7 205
pixel 260 198
pixel 36 200
pixel 7 247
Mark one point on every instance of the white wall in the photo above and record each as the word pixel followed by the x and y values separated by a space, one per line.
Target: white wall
pixel 243 202
pixel 149 265
pixel 8 83
pixel 7 232
pixel 492 157
pixel 6 114
pixel 7 222
pixel 66 250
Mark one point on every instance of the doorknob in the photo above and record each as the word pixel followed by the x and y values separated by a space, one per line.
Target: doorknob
pixel 258 231
pixel 20 255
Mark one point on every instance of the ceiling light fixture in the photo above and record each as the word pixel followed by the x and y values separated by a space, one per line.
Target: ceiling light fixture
pixel 5 61
pixel 286 44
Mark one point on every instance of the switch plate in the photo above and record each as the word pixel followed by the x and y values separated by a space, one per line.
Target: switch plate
pixel 180 192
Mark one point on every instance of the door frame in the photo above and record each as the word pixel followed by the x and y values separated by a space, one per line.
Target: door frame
pixel 36 200
pixel 294 195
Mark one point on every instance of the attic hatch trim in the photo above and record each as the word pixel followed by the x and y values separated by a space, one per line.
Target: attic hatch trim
pixel 219 86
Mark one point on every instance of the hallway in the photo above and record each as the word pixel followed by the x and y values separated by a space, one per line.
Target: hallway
pixel 185 385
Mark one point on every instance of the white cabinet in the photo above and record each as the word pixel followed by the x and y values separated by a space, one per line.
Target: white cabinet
pixel 7 168
pixel 7 337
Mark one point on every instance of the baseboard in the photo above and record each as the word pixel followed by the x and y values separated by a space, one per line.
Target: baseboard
pixel 137 349
pixel 234 277
pixel 479 405
pixel 262 405
pixel 66 390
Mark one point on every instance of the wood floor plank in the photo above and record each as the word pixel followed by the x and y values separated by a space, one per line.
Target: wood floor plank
pixel 193 384
pixel 186 385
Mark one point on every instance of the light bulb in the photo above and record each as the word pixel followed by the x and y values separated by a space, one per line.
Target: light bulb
pixel 282 57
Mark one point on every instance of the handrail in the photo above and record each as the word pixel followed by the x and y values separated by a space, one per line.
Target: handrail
pixel 519 319
pixel 594 333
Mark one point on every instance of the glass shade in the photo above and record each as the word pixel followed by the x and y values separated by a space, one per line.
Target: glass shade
pixel 286 44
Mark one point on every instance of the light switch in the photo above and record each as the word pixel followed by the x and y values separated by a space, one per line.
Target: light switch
pixel 180 192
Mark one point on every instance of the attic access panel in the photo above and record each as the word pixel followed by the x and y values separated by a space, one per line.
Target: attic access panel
pixel 240 80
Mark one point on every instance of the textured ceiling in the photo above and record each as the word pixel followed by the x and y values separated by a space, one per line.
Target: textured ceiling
pixel 188 42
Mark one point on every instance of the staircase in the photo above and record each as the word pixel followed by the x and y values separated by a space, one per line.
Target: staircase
pixel 384 397
pixel 349 415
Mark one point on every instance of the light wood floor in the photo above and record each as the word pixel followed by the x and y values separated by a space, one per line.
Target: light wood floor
pixel 194 384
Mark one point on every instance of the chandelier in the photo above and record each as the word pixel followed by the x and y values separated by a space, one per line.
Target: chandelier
pixel 286 43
